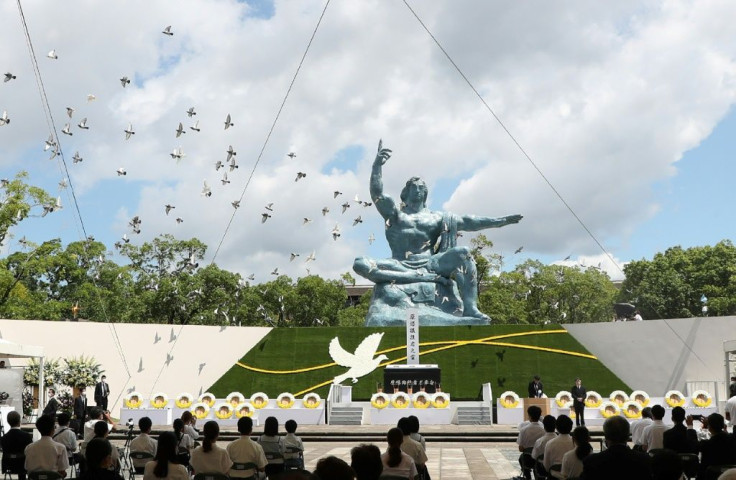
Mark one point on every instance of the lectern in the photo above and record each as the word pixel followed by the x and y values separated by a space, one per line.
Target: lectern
pixel 542 403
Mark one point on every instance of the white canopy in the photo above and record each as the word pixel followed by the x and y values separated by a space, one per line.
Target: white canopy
pixel 16 350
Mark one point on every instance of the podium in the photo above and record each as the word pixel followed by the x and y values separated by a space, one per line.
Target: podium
pixel 542 403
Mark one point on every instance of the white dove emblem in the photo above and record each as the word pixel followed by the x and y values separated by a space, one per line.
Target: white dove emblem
pixel 361 362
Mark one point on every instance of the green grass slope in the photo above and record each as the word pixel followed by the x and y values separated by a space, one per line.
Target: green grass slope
pixel 464 367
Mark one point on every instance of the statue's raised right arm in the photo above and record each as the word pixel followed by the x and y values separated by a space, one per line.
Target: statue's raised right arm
pixel 384 203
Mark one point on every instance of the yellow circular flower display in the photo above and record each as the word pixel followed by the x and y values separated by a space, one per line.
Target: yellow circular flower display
pixel 641 397
pixel 245 409
pixel 440 400
pixel 235 399
pixel 223 410
pixel 285 400
pixel 159 400
pixel 563 399
pixel 207 398
pixel 184 400
pixel 400 400
pixel 619 397
pixel 380 400
pixel 593 399
pixel 632 409
pixel 609 409
pixel 133 400
pixel 200 410
pixel 674 398
pixel 421 400
pixel 701 398
pixel 311 400
pixel 259 400
pixel 509 399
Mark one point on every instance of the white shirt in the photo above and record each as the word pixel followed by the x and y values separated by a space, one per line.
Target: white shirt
pixel 292 441
pixel 246 450
pixel 556 449
pixel 652 436
pixel 406 468
pixel 215 461
pixel 185 441
pixel 46 454
pixel 731 410
pixel 420 439
pixel 637 429
pixel 572 466
pixel 66 437
pixel 176 472
pixel 529 435
pixel 89 429
pixel 414 450
pixel 541 443
pixel 189 430
pixel 143 443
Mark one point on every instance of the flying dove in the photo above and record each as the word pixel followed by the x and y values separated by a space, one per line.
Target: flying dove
pixel 180 130
pixel 52 55
pixel 361 362
pixel 357 220
pixel 224 179
pixel 167 31
pixel 269 207
pixel 336 232
pixel 275 271
pixel 8 77
pixel 191 112
pixel 83 124
pixel 206 190
pixel 121 172
pixel 77 158
pixel 336 193
pixel 125 81
pixel 195 127
pixel 345 206
pixel 129 131
pixel 69 112
pixel 311 257
pixel 169 208
pixel 292 256
pixel 235 204
pixel 291 155
pixel 299 176
pixel 4 119
pixel 264 217
pixel 371 239
pixel 230 153
pixel 67 130
pixel 325 211
pixel 228 122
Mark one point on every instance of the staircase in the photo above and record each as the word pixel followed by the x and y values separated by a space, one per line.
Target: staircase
pixel 474 416
pixel 346 416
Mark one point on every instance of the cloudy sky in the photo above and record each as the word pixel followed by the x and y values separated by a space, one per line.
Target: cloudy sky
pixel 624 106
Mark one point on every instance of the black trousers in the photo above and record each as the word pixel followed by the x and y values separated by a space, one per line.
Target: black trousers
pixel 579 414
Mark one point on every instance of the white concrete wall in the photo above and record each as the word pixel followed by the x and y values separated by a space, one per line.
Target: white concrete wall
pixel 660 355
pixel 141 364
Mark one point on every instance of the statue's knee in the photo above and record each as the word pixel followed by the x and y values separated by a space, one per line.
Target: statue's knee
pixel 360 266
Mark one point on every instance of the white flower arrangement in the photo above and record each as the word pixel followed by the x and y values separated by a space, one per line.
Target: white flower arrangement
pixel 619 397
pixel 285 400
pixel 208 398
pixel 509 399
pixel 259 400
pixel 701 398
pixel 609 409
pixel 235 399
pixel 245 409
pixel 421 400
pixel 133 400
pixel 593 399
pixel 440 400
pixel 400 400
pixel 380 400
pixel 675 398
pixel 159 400
pixel 200 410
pixel 563 399
pixel 641 397
pixel 311 400
pixel 632 409
pixel 184 400
pixel 223 410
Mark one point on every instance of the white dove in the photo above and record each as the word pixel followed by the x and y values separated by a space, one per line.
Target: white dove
pixel 360 363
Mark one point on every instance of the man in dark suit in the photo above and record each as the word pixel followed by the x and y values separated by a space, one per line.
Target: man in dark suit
pixel 719 449
pixel 679 438
pixel 102 390
pixel 14 444
pixel 578 402
pixel 52 406
pixel 535 387
pixel 618 461
pixel 80 409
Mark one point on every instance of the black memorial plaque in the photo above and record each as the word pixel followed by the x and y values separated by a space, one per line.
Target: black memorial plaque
pixel 399 378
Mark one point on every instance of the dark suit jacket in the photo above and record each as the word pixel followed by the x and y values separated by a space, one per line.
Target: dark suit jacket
pixel 80 407
pixel 98 391
pixel 616 463
pixel 51 407
pixel 578 392
pixel 720 449
pixel 680 439
pixel 535 391
pixel 15 441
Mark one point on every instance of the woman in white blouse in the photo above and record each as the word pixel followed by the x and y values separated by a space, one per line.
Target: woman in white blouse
pixel 164 466
pixel 210 458
pixel 396 462
pixel 572 461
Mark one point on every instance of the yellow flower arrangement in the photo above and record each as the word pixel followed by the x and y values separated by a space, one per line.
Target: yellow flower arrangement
pixel 259 400
pixel 632 409
pixel 235 399
pixel 223 410
pixel 421 400
pixel 311 400
pixel 245 409
pixel 674 398
pixel 509 399
pixel 133 400
pixel 563 399
pixel 619 397
pixel 285 400
pixel 183 400
pixel 200 410
pixel 207 398
pixel 701 398
pixel 641 397
pixel 380 400
pixel 400 400
pixel 159 400
pixel 440 400
pixel 609 409
pixel 593 399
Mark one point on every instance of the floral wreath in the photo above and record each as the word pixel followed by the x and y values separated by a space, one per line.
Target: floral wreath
pixel 183 400
pixel 563 399
pixel 133 400
pixel 606 408
pixel 421 400
pixel 311 400
pixel 636 395
pixel 440 400
pixel 674 398
pixel 207 398
pixel 632 405
pixel 285 400
pixel 380 396
pixel 400 400
pixel 509 399
pixel 618 397
pixel 226 406
pixel 259 400
pixel 705 401
pixel 237 396
pixel 159 405
pixel 205 407
pixel 593 400
pixel 244 406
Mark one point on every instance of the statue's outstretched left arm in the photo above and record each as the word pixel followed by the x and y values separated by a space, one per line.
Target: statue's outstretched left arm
pixel 473 223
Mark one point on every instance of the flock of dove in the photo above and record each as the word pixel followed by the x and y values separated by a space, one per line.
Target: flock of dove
pixel 226 166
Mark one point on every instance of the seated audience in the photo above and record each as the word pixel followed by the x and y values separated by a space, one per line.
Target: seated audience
pixel 333 468
pixel 273 447
pixel 572 461
pixel 365 460
pixel 412 447
pixel 719 449
pixel 652 435
pixel 414 426
pixel 618 460
pixel 143 443
pixel 96 415
pixel 14 443
pixel 189 422
pixel 98 456
pixel 101 431
pixel 529 433
pixel 396 462
pixel 45 454
pixel 638 426
pixel 666 465
pixel 294 448
pixel 210 457
pixel 184 443
pixel 560 445
pixel 245 450
pixel 66 436
pixel 679 438
pixel 164 464
pixel 549 423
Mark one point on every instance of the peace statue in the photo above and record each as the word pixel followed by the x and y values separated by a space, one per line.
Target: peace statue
pixel 427 270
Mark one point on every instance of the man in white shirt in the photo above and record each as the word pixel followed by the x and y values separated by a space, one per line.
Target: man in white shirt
pixel 638 426
pixel 528 435
pixel 96 415
pixel 410 446
pixel 549 423
pixel 245 450
pixel 46 454
pixel 560 445
pixel 652 435
pixel 731 412
pixel 143 443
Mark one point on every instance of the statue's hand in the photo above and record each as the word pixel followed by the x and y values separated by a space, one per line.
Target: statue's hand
pixel 443 280
pixel 513 218
pixel 383 153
